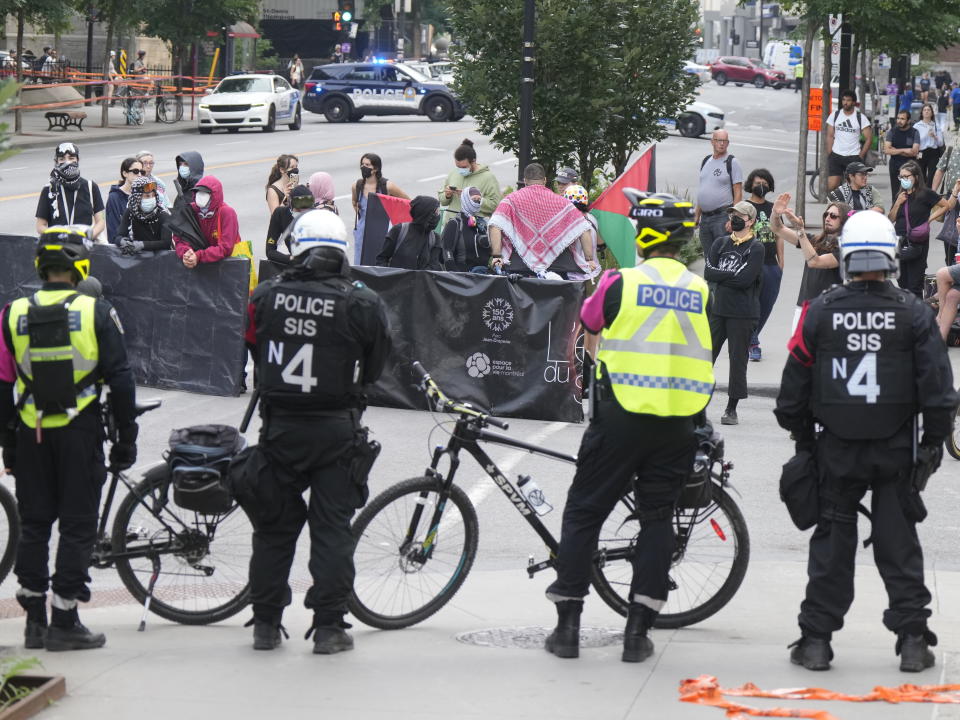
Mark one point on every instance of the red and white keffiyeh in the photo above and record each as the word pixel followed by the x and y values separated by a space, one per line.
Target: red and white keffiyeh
pixel 539 224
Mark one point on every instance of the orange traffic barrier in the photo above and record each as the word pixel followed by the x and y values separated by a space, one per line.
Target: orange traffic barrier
pixel 706 690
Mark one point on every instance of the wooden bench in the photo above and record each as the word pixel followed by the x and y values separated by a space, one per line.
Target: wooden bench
pixel 64 119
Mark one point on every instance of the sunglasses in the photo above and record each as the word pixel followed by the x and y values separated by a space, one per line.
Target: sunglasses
pixel 148 187
pixel 832 215
pixel 136 171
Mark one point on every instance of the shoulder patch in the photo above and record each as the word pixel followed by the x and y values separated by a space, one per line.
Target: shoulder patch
pixel 116 320
pixel 358 284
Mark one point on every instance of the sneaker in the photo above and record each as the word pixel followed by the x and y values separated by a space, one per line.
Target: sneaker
pixel 330 639
pixel 755 353
pixel 729 417
pixel 266 634
pixel 812 653
pixel 914 651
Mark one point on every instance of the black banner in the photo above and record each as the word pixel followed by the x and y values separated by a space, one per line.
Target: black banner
pixel 509 346
pixel 183 328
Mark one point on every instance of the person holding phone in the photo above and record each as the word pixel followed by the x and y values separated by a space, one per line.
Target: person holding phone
pixel 469 173
pixel 284 176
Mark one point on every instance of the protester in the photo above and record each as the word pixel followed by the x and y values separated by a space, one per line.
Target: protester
pixel 902 143
pixel 371 181
pixel 759 183
pixel 465 238
pixel 147 160
pixel 533 231
pixel 721 186
pixel 68 198
pixel 821 269
pixel 189 172
pixel 284 175
pixel 469 173
pixel 948 288
pixel 578 196
pixel 145 223
pixel 322 189
pixel 566 177
pixel 931 142
pixel 856 192
pixel 295 71
pixel 117 200
pixel 210 231
pixel 844 130
pixel 911 217
pixel 281 223
pixel 415 245
pixel 734 268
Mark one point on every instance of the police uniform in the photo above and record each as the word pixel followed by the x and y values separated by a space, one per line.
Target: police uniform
pixel 59 462
pixel 654 374
pixel 865 359
pixel 320 338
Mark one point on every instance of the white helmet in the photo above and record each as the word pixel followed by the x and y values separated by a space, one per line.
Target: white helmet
pixel 868 243
pixel 316 229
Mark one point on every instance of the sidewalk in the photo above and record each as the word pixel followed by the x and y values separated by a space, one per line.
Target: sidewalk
pixel 432 670
pixel 36 134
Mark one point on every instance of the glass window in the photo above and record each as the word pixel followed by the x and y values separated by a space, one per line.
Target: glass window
pixel 364 72
pixel 244 84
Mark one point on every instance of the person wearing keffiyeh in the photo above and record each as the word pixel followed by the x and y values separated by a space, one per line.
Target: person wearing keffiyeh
pixel 465 236
pixel 145 224
pixel 533 231
pixel 68 198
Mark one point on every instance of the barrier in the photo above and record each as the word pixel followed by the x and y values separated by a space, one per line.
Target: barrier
pixel 507 346
pixel 183 328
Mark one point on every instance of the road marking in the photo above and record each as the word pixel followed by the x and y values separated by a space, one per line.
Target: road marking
pixel 18 168
pixel 343 197
pixel 259 161
pixel 432 177
pixel 732 124
pixel 811 151
pixel 429 149
pixel 235 142
pixel 504 162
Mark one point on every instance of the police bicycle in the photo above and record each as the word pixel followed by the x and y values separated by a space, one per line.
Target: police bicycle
pixel 9 531
pixel 417 540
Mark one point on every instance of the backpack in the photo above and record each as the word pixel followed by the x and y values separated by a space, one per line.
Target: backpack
pixel 728 163
pixel 836 114
pixel 433 247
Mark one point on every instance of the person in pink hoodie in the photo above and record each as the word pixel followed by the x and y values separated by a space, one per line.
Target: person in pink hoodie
pixel 206 230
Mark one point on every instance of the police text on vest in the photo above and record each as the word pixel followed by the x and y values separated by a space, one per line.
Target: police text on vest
pixel 861 320
pixel 672 298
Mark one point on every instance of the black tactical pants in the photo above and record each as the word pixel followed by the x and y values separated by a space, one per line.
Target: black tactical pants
pixel 616 445
pixel 847 470
pixel 59 480
pixel 306 453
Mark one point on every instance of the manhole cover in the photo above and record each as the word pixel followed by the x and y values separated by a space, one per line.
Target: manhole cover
pixel 532 638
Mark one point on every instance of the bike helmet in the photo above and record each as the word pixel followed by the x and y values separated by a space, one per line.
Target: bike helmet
pixel 64 247
pixel 318 229
pixel 577 194
pixel 660 217
pixel 868 243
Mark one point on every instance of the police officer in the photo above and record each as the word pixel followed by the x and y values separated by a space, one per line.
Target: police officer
pixel 319 339
pixel 865 359
pixel 654 375
pixel 58 348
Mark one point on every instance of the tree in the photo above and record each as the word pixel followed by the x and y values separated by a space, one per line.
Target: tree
pixel 606 72
pixel 8 94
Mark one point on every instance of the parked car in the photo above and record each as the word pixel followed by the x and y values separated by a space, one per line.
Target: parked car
pixel 741 70
pixel 348 91
pixel 442 71
pixel 252 100
pixel 697 119
pixel 701 71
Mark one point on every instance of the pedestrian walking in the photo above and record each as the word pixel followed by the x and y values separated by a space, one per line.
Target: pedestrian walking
pixel 371 181
pixel 721 186
pixel 52 433
pixel 68 198
pixel 295 71
pixel 911 217
pixel 759 184
pixel 865 360
pixel 645 398
pixel 311 382
pixel 901 144
pixel 845 127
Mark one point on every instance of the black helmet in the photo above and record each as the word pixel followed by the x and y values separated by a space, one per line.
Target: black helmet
pixel 64 247
pixel 660 217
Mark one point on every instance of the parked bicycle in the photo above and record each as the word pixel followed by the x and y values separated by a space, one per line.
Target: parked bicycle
pixel 169 105
pixel 132 99
pixel 417 540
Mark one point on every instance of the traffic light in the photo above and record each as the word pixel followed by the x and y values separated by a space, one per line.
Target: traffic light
pixel 346 11
pixel 336 20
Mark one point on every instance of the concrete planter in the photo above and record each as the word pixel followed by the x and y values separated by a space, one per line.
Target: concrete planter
pixel 44 691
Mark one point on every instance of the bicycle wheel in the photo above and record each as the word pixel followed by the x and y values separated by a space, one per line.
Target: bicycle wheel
pixel 953 441
pixel 815 186
pixel 169 109
pixel 406 569
pixel 702 579
pixel 9 531
pixel 204 559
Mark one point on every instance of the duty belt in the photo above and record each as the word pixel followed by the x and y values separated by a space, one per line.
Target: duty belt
pixel 710 213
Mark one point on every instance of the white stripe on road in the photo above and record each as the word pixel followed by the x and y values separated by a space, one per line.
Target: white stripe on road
pixel 343 197
pixel 504 162
pixel 429 149
pixel 432 177
pixel 810 151
pixel 235 142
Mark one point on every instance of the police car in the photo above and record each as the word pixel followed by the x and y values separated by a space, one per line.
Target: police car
pixel 348 91
pixel 255 100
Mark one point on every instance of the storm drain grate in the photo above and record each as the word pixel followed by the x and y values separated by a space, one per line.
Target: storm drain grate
pixel 533 637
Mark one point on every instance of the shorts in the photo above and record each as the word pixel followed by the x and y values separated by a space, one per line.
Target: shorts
pixel 955 275
pixel 838 163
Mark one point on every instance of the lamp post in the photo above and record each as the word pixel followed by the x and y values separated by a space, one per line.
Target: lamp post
pixel 526 86
pixel 91 19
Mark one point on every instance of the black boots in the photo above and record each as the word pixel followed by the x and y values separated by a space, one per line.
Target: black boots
pixel 812 652
pixel 36 630
pixel 266 633
pixel 564 641
pixel 637 646
pixel 66 632
pixel 329 635
pixel 914 651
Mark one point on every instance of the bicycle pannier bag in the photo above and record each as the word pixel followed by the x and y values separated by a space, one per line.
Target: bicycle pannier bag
pixel 199 461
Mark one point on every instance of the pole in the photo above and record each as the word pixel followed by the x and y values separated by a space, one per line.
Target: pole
pixel 760 39
pixel 846 38
pixel 88 90
pixel 526 86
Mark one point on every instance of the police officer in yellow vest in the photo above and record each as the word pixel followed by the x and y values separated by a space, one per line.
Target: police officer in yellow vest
pixel 58 347
pixel 653 376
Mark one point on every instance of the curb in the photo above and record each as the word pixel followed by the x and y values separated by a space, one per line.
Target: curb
pixel 767 390
pixel 108 133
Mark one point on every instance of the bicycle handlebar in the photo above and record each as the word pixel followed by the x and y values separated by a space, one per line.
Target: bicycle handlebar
pixel 430 387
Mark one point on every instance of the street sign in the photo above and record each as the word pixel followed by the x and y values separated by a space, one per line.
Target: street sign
pixel 883 61
pixel 915 58
pixel 815 109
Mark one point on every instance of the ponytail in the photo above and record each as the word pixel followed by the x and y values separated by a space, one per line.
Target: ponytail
pixel 276 172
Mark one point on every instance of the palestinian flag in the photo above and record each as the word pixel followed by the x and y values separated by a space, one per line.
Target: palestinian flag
pixel 612 209
pixel 383 212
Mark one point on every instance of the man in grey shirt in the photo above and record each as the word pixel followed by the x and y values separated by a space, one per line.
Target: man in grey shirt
pixel 721 186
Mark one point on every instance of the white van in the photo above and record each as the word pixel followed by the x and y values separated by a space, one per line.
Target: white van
pixel 783 55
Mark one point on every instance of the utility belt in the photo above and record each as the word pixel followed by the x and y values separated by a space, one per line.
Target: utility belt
pixel 711 213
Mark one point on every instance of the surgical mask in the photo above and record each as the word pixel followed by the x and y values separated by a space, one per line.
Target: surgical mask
pixel 737 223
pixel 184 171
pixel 365 171
pixel 202 199
pixel 906 183
pixel 463 171
pixel 760 189
pixel 148 205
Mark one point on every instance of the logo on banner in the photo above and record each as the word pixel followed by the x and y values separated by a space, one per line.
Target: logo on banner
pixel 497 314
pixel 478 365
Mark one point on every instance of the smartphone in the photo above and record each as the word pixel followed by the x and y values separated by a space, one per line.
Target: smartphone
pixel 452 188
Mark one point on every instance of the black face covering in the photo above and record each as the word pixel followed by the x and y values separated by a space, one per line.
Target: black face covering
pixel 737 223
pixel 760 189
pixel 69 173
pixel 365 172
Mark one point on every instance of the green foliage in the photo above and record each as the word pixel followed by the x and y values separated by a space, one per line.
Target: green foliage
pixel 8 94
pixel 50 16
pixel 181 22
pixel 606 72
pixel 10 669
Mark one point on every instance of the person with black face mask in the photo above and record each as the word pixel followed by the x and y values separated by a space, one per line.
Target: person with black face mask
pixel 759 184
pixel 69 199
pixel 415 245
pixel 371 181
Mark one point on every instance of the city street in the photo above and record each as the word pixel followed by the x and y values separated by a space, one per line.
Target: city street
pixel 424 671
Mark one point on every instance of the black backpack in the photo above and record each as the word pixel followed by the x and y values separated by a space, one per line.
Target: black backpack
pixel 437 256
pixel 728 163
